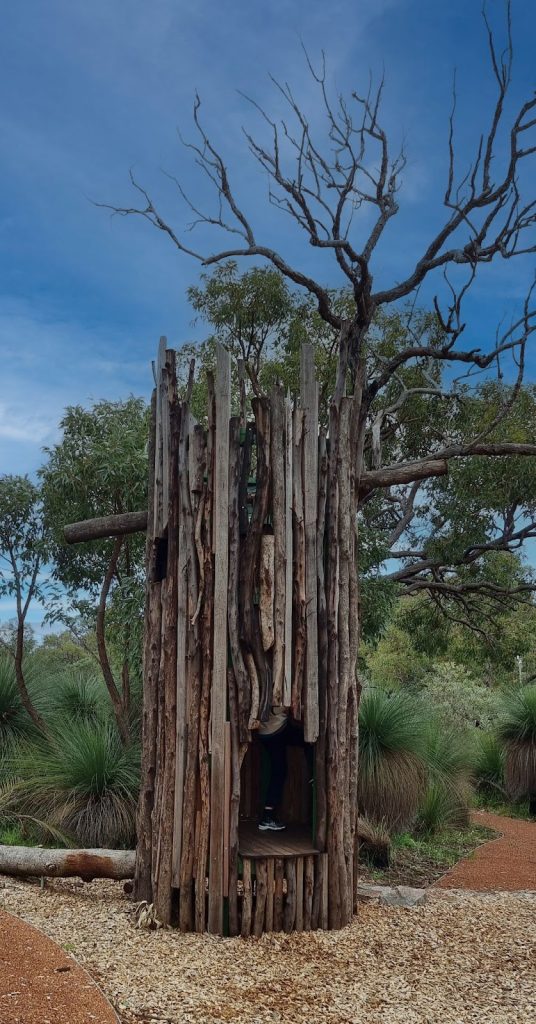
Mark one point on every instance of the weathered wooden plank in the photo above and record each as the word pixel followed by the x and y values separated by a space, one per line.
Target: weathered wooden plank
pixel 289 915
pixel 279 874
pixel 165 769
pixel 260 672
pixel 238 751
pixel 287 683
pixel 109 526
pixel 308 893
pixel 323 648
pixel 299 593
pixel 299 895
pixel 143 888
pixel 278 456
pixel 161 409
pixel 266 593
pixel 270 888
pixel 241 674
pixel 324 918
pixel 206 609
pixel 247 899
pixel 219 672
pixel 309 401
pixel 182 630
pixel 165 442
pixel 191 510
pixel 227 808
pixel 261 872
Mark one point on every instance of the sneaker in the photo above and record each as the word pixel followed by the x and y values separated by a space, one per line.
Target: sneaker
pixel 269 823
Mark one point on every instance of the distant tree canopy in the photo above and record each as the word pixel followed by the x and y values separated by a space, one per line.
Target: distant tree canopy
pixel 445 533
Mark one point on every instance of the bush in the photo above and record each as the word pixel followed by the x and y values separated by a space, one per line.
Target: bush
pixel 392 773
pixel 78 779
pixel 489 762
pixel 73 696
pixel 15 721
pixel 517 730
pixel 458 699
pixel 449 756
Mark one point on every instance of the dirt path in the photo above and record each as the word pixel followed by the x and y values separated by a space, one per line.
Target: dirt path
pixel 40 984
pixel 506 864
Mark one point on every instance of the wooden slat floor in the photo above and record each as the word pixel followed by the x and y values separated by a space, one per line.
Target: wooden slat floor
pixel 295 841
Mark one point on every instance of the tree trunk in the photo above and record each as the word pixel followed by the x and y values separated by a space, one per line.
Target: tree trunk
pixel 22 861
pixel 21 681
pixel 120 712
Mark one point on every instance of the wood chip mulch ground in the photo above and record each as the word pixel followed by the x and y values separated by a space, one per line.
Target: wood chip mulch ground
pixel 40 984
pixel 507 863
pixel 460 958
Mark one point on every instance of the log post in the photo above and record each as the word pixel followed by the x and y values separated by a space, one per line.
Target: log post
pixel 219 669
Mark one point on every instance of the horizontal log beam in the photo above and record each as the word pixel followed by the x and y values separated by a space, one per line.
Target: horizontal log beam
pixel 105 526
pixel 87 864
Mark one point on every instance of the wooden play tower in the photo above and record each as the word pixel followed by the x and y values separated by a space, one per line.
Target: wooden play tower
pixel 247 581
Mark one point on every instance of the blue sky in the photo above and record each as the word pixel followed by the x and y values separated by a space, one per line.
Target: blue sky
pixel 93 88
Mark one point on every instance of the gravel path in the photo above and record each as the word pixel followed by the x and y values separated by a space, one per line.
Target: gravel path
pixel 460 958
pixel 39 984
pixel 504 864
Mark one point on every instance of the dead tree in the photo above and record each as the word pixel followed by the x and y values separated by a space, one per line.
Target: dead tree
pixel 487 218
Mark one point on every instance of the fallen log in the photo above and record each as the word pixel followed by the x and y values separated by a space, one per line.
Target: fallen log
pixel 87 864
pixel 105 526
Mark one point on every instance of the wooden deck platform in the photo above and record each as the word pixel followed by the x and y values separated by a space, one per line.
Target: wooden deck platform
pixel 294 841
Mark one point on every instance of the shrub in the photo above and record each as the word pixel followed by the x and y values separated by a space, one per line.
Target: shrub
pixel 392 773
pixel 78 779
pixel 73 696
pixel 449 757
pixel 489 762
pixel 458 699
pixel 15 721
pixel 517 730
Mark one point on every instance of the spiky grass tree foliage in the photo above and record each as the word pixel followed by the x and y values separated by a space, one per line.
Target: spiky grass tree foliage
pixel 518 733
pixel 73 696
pixel 14 720
pixel 79 779
pixel 489 762
pixel 449 756
pixel 392 772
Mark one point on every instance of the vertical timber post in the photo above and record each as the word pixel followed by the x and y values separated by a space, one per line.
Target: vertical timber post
pixel 309 402
pixel 219 672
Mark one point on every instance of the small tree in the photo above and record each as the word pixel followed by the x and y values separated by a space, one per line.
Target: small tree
pixel 100 468
pixel 22 553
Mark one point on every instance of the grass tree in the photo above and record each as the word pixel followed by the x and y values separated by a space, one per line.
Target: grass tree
pixel 79 779
pixel 518 734
pixel 392 772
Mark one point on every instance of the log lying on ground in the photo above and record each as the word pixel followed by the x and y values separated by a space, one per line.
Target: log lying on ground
pixel 106 526
pixel 87 864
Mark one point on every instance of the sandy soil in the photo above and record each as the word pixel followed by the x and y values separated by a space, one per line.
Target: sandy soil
pixel 461 958
pixel 40 984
